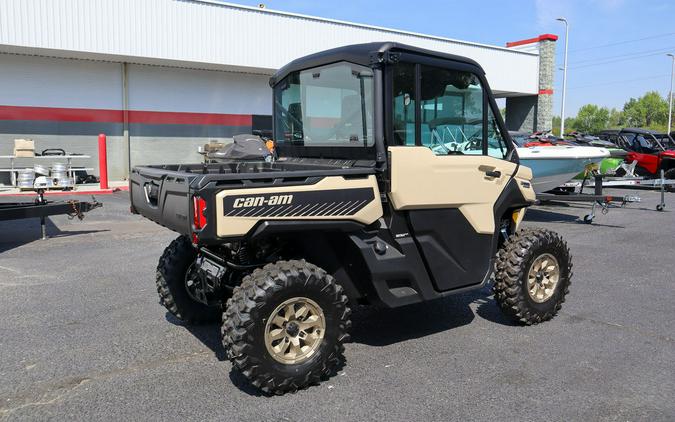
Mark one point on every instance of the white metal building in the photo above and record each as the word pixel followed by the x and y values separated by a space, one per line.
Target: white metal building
pixel 161 77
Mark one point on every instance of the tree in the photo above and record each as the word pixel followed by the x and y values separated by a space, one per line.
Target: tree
pixel 650 110
pixel 591 118
pixel 555 123
pixel 615 118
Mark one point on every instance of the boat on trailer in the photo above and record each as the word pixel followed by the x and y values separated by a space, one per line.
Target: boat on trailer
pixel 553 166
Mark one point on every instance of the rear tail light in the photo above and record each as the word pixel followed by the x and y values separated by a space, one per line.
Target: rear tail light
pixel 198 208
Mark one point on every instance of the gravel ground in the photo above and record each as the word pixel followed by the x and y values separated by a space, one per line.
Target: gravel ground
pixel 82 336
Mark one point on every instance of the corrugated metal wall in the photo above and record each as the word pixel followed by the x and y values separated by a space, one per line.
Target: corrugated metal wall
pixel 66 103
pixel 201 33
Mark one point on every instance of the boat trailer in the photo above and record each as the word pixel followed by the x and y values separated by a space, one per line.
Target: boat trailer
pixel 42 208
pixel 568 192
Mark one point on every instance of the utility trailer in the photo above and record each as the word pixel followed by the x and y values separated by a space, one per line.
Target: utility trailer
pixel 568 193
pixel 599 182
pixel 41 208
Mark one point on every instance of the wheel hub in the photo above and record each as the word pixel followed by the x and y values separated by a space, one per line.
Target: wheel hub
pixel 543 278
pixel 295 330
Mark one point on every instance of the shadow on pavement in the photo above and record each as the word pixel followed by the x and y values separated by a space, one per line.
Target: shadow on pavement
pixel 16 233
pixel 208 334
pixel 546 216
pixel 379 327
pixel 539 215
pixel 382 327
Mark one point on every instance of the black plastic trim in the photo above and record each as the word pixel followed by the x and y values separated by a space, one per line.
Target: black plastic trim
pixel 271 227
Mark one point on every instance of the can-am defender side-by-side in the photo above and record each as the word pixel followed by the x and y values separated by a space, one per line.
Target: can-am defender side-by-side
pixel 394 183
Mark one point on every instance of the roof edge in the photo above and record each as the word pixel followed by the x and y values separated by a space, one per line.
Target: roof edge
pixel 542 37
pixel 357 25
pixel 135 60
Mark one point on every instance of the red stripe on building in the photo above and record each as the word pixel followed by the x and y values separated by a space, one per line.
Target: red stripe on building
pixel 542 37
pixel 117 116
pixel 61 114
pixel 545 92
pixel 180 118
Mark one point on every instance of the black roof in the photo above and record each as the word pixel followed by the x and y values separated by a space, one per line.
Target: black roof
pixel 360 54
pixel 641 131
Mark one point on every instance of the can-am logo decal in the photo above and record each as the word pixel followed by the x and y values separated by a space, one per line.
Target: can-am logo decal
pixel 318 203
pixel 257 201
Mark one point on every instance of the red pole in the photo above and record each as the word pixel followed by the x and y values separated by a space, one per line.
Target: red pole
pixel 102 161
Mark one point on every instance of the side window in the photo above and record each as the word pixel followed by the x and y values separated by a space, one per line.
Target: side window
pixel 404 103
pixel 496 144
pixel 451 105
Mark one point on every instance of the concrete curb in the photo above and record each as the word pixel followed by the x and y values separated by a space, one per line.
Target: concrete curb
pixel 70 193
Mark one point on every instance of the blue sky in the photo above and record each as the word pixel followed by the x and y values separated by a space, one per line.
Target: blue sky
pixel 607 75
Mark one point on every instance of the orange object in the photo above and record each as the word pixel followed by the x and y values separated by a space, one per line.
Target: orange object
pixel 270 146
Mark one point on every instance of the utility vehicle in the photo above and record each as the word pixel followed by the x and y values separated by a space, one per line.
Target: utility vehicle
pixel 394 183
pixel 652 151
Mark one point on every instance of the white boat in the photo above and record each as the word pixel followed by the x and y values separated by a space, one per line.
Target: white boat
pixel 554 165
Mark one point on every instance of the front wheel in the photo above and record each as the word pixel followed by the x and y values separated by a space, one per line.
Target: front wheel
pixel 285 326
pixel 532 275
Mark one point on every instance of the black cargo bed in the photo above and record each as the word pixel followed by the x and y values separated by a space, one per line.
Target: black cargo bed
pixel 163 193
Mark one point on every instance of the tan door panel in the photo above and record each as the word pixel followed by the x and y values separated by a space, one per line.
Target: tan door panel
pixel 420 179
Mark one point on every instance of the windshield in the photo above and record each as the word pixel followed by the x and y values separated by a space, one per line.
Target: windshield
pixel 327 106
pixel 666 141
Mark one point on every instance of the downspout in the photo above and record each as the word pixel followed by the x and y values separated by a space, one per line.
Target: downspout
pixel 125 111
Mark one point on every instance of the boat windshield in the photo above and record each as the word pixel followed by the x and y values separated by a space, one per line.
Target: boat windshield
pixel 326 106
pixel 520 139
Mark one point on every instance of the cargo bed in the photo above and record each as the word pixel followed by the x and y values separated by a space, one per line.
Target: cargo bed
pixel 163 193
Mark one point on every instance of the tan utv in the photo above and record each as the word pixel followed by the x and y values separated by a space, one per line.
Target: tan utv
pixel 393 182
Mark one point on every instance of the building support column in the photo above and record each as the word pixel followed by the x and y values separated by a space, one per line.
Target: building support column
pixel 535 113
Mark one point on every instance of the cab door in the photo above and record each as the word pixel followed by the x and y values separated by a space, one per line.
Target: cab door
pixel 448 168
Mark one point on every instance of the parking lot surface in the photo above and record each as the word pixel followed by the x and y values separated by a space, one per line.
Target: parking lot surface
pixel 82 336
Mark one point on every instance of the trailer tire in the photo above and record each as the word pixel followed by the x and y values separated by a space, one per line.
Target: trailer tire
pixel 171 270
pixel 520 288
pixel 275 293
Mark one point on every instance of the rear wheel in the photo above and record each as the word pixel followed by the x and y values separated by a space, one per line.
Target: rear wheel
pixel 532 275
pixel 285 326
pixel 172 284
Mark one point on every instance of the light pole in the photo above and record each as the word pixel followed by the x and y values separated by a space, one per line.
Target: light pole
pixel 562 108
pixel 670 101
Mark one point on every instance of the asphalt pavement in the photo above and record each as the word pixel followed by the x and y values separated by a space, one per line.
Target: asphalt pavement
pixel 82 336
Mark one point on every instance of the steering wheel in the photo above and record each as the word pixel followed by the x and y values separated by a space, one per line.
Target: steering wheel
pixel 474 144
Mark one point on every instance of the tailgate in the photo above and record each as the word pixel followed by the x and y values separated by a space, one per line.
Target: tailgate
pixel 162 196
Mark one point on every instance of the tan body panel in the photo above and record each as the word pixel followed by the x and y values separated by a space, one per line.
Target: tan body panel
pixel 230 226
pixel 421 179
pixel 524 179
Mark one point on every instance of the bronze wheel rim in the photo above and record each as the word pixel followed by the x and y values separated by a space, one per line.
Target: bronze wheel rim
pixel 295 330
pixel 543 277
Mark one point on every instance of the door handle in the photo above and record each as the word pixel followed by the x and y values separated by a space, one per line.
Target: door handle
pixel 493 173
